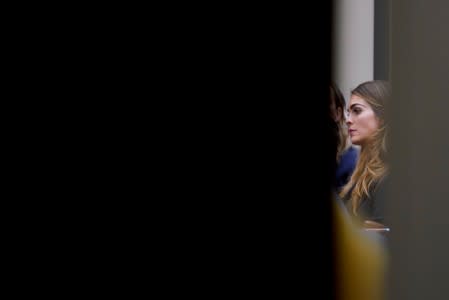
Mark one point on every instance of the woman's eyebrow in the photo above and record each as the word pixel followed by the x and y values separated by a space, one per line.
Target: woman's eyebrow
pixel 356 104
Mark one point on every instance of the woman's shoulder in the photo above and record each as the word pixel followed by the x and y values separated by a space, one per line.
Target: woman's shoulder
pixel 380 186
pixel 375 207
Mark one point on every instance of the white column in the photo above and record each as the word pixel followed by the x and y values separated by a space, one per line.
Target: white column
pixel 353 43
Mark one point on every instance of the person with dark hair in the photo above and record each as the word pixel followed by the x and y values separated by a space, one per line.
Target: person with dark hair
pixel 347 154
pixel 364 195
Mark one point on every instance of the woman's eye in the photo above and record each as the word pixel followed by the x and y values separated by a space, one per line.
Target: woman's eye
pixel 357 110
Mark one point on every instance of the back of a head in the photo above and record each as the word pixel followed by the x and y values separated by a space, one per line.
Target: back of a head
pixel 338 104
pixel 336 98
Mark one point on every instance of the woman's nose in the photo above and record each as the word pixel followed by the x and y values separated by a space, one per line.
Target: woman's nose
pixel 348 119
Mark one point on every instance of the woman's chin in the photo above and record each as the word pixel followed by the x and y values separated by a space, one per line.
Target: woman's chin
pixel 356 142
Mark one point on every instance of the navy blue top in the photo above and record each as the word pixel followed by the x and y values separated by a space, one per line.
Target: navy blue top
pixel 348 160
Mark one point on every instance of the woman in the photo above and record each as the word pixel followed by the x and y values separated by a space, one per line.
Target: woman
pixel 363 194
pixel 346 153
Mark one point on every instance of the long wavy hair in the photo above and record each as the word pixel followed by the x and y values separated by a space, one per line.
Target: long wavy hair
pixel 372 165
pixel 338 100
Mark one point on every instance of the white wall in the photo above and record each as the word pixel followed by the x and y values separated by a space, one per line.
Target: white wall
pixel 353 43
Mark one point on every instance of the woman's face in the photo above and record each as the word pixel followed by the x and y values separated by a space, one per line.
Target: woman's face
pixel 362 121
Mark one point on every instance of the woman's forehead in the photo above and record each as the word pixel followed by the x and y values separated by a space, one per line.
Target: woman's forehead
pixel 357 100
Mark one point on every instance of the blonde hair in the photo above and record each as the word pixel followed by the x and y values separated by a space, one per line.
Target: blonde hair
pixel 371 166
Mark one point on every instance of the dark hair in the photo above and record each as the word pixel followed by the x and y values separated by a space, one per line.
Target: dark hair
pixel 336 97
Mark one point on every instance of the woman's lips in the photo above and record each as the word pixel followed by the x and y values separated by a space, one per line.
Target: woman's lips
pixel 351 131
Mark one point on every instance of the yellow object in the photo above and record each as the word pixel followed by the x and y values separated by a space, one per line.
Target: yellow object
pixel 361 261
